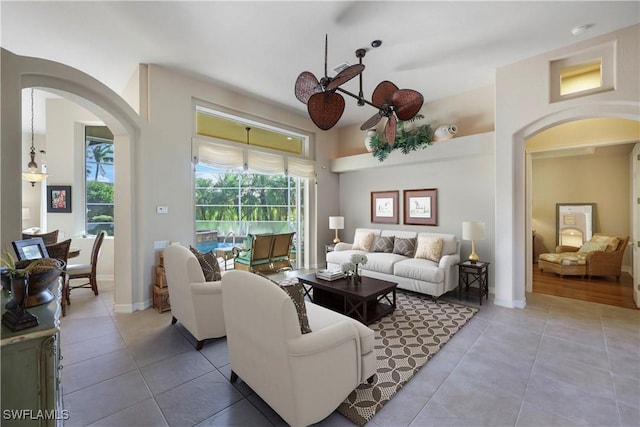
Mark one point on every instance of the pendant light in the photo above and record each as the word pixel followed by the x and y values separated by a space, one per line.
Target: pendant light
pixel 32 175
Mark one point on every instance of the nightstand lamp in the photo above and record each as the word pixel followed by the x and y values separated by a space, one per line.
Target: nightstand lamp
pixel 473 230
pixel 336 223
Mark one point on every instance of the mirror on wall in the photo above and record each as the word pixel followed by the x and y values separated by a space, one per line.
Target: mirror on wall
pixel 575 223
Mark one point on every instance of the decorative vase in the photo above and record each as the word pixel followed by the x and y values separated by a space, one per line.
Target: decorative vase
pixel 356 279
pixel 367 139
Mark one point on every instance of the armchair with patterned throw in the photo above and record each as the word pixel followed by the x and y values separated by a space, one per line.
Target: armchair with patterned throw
pixel 303 376
pixel 267 252
pixel 600 256
pixel 196 303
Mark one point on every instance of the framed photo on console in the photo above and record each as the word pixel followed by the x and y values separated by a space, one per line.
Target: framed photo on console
pixel 59 198
pixel 421 207
pixel 384 207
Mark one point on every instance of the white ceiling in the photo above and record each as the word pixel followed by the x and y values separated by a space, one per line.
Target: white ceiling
pixel 259 48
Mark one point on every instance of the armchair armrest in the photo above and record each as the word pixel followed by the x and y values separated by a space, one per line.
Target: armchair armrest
pixel 342 246
pixel 206 287
pixel 560 249
pixel 321 340
pixel 604 256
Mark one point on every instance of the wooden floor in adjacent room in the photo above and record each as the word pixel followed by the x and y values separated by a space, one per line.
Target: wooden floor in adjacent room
pixel 603 290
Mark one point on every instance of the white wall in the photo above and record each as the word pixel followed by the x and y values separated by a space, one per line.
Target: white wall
pixel 525 85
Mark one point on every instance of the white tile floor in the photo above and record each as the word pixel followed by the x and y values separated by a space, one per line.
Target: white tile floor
pixel 559 362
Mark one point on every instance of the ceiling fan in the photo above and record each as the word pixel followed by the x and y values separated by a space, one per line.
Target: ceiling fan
pixel 325 106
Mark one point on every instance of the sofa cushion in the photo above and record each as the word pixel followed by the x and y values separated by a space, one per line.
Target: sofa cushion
pixel 382 262
pixel 592 246
pixel 295 290
pixel 406 247
pixel 209 264
pixel 382 244
pixel 320 317
pixel 565 258
pixel 429 248
pixel 419 269
pixel 362 240
pixel 449 242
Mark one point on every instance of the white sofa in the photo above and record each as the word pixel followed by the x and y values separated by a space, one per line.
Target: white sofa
pixel 303 377
pixel 414 274
pixel 197 304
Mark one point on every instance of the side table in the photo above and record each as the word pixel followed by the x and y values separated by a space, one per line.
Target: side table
pixel 328 248
pixel 470 274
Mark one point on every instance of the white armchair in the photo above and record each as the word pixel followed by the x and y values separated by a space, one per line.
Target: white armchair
pixel 195 303
pixel 303 377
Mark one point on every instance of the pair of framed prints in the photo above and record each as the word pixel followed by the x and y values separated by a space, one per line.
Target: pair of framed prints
pixel 420 207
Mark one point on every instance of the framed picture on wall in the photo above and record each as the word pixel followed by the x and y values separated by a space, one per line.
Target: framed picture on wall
pixel 384 207
pixel 421 207
pixel 59 198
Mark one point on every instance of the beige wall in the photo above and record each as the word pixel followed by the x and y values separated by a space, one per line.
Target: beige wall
pixel 472 112
pixel 601 178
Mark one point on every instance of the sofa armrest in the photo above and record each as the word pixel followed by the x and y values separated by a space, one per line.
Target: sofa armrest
pixel 206 287
pixel 342 246
pixel 447 261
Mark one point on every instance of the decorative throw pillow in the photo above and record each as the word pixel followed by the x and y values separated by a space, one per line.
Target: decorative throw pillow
pixel 295 290
pixel 209 264
pixel 612 242
pixel 406 247
pixel 592 246
pixel 362 241
pixel 382 244
pixel 429 248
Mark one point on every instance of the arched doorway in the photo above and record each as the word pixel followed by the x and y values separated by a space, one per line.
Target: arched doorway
pixel 23 72
pixel 623 111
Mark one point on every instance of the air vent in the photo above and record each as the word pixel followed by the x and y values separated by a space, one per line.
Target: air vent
pixel 341 67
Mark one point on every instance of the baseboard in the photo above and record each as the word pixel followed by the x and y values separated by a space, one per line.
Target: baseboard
pixel 130 308
pixel 510 303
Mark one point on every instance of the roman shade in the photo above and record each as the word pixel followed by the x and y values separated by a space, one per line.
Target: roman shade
pixel 226 156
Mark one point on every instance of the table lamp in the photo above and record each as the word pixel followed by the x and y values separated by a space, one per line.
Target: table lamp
pixel 473 230
pixel 336 223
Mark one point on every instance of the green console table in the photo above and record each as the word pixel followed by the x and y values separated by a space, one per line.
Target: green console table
pixel 31 392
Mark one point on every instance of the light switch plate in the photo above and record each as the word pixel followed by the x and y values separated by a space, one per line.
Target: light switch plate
pixel 162 209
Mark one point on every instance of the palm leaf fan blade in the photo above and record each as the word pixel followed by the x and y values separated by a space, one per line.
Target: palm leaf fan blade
pixel 325 109
pixel 407 103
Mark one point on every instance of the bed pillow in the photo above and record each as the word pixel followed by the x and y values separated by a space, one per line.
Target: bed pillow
pixel 429 248
pixel 362 241
pixel 382 244
pixel 209 264
pixel 406 247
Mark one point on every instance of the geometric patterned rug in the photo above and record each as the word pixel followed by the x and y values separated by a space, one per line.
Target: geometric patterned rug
pixel 404 342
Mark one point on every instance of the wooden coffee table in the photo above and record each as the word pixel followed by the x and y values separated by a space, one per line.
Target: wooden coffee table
pixel 367 302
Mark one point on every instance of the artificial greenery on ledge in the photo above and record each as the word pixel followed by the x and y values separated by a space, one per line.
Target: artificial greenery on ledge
pixel 406 140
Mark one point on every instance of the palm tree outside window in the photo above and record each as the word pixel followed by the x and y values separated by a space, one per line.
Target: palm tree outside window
pixel 99 180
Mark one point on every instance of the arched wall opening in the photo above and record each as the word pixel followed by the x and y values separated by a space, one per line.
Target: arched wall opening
pixel 523 181
pixel 22 72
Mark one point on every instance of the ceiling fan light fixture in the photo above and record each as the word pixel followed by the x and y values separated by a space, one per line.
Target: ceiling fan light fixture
pixel 325 106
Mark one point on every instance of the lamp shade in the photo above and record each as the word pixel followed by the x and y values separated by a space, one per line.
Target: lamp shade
pixel 472 230
pixel 336 222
